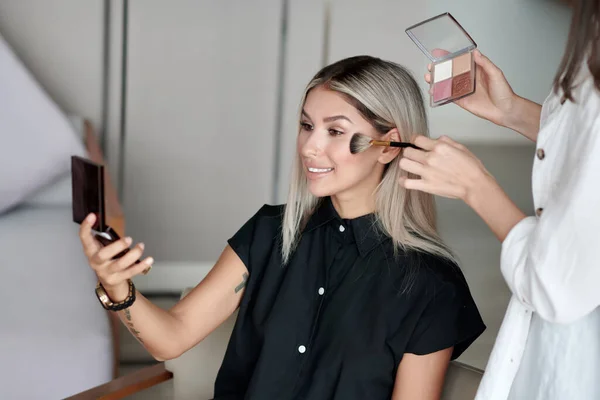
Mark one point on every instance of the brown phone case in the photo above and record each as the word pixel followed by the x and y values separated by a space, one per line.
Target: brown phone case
pixel 87 184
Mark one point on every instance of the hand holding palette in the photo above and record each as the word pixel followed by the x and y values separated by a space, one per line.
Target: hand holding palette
pixel 450 48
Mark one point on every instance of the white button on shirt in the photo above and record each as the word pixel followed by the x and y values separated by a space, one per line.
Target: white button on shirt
pixel 321 291
pixel 342 229
pixel 551 263
pixel 301 349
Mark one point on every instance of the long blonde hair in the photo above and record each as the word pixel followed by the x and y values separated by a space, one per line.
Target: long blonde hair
pixel 387 96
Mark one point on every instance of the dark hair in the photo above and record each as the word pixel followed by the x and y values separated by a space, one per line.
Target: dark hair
pixel 584 39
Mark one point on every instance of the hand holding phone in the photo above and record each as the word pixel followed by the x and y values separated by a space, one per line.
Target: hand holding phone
pixel 114 273
pixel 87 180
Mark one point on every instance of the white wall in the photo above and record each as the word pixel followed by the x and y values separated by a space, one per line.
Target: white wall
pixel 303 58
pixel 201 101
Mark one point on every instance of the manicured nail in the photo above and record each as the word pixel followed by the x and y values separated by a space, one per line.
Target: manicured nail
pixel 149 261
pixel 128 240
pixel 90 217
pixel 141 246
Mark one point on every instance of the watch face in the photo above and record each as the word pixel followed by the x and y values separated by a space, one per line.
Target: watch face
pixel 103 297
pixel 108 304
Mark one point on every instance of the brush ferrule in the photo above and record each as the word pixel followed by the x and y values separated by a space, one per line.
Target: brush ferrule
pixel 380 142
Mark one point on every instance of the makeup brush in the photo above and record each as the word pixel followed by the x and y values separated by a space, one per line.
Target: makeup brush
pixel 360 143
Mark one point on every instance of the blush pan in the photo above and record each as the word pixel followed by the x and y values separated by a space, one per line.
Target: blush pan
pixel 442 90
pixel 442 77
pixel 450 48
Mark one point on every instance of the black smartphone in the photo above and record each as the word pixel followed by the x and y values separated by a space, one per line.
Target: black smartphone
pixel 87 184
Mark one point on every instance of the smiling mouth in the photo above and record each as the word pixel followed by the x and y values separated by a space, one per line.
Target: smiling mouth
pixel 319 170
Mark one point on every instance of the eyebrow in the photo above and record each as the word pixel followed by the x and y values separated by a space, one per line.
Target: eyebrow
pixel 329 119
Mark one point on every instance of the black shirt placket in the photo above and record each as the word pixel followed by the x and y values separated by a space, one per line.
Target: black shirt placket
pixel 315 322
pixel 331 257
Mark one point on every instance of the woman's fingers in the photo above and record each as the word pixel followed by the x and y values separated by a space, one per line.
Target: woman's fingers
pixel 439 52
pixel 488 66
pixel 442 145
pixel 431 187
pixel 413 184
pixel 112 272
pixel 135 269
pixel 128 258
pixel 428 77
pixel 412 167
pixel 90 246
pixel 448 140
pixel 415 155
pixel 424 142
pixel 125 267
pixel 448 169
pixel 108 252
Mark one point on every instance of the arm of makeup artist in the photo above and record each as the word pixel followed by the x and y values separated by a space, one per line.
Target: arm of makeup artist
pixel 547 262
pixel 166 334
pixel 495 101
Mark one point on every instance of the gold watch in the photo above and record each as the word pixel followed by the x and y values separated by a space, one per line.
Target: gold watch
pixel 110 305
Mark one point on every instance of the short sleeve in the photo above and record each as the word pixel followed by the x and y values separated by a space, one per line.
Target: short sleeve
pixel 449 319
pixel 257 237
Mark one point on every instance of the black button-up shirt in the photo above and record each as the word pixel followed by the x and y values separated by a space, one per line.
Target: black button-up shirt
pixel 335 322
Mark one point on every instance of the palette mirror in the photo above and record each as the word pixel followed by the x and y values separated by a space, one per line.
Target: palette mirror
pixel 450 48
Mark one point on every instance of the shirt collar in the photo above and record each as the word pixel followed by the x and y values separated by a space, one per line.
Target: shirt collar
pixel 365 228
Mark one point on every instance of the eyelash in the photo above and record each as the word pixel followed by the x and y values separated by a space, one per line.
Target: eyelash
pixel 308 127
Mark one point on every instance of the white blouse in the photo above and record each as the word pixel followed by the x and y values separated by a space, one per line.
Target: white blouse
pixel 548 346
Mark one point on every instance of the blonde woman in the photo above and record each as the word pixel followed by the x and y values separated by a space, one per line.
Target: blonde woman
pixel 346 292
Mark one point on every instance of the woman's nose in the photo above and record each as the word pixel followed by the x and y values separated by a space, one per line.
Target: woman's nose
pixel 314 144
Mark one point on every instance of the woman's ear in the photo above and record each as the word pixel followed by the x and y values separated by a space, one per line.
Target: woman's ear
pixel 389 153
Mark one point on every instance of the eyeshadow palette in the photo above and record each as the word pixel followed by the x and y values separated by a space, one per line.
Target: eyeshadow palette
pixel 450 48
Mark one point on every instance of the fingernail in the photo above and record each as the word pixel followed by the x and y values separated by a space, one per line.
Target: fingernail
pixel 141 246
pixel 149 261
pixel 128 240
pixel 90 218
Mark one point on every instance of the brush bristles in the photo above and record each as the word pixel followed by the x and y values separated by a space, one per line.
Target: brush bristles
pixel 359 143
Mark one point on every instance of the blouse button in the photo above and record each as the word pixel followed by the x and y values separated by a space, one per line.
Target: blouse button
pixel 539 211
pixel 541 154
pixel 342 229
pixel 321 291
pixel 302 349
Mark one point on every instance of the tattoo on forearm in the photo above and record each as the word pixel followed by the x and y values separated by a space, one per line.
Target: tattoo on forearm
pixel 130 326
pixel 243 283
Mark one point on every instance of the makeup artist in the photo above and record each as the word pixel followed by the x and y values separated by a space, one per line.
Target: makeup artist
pixel 549 344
